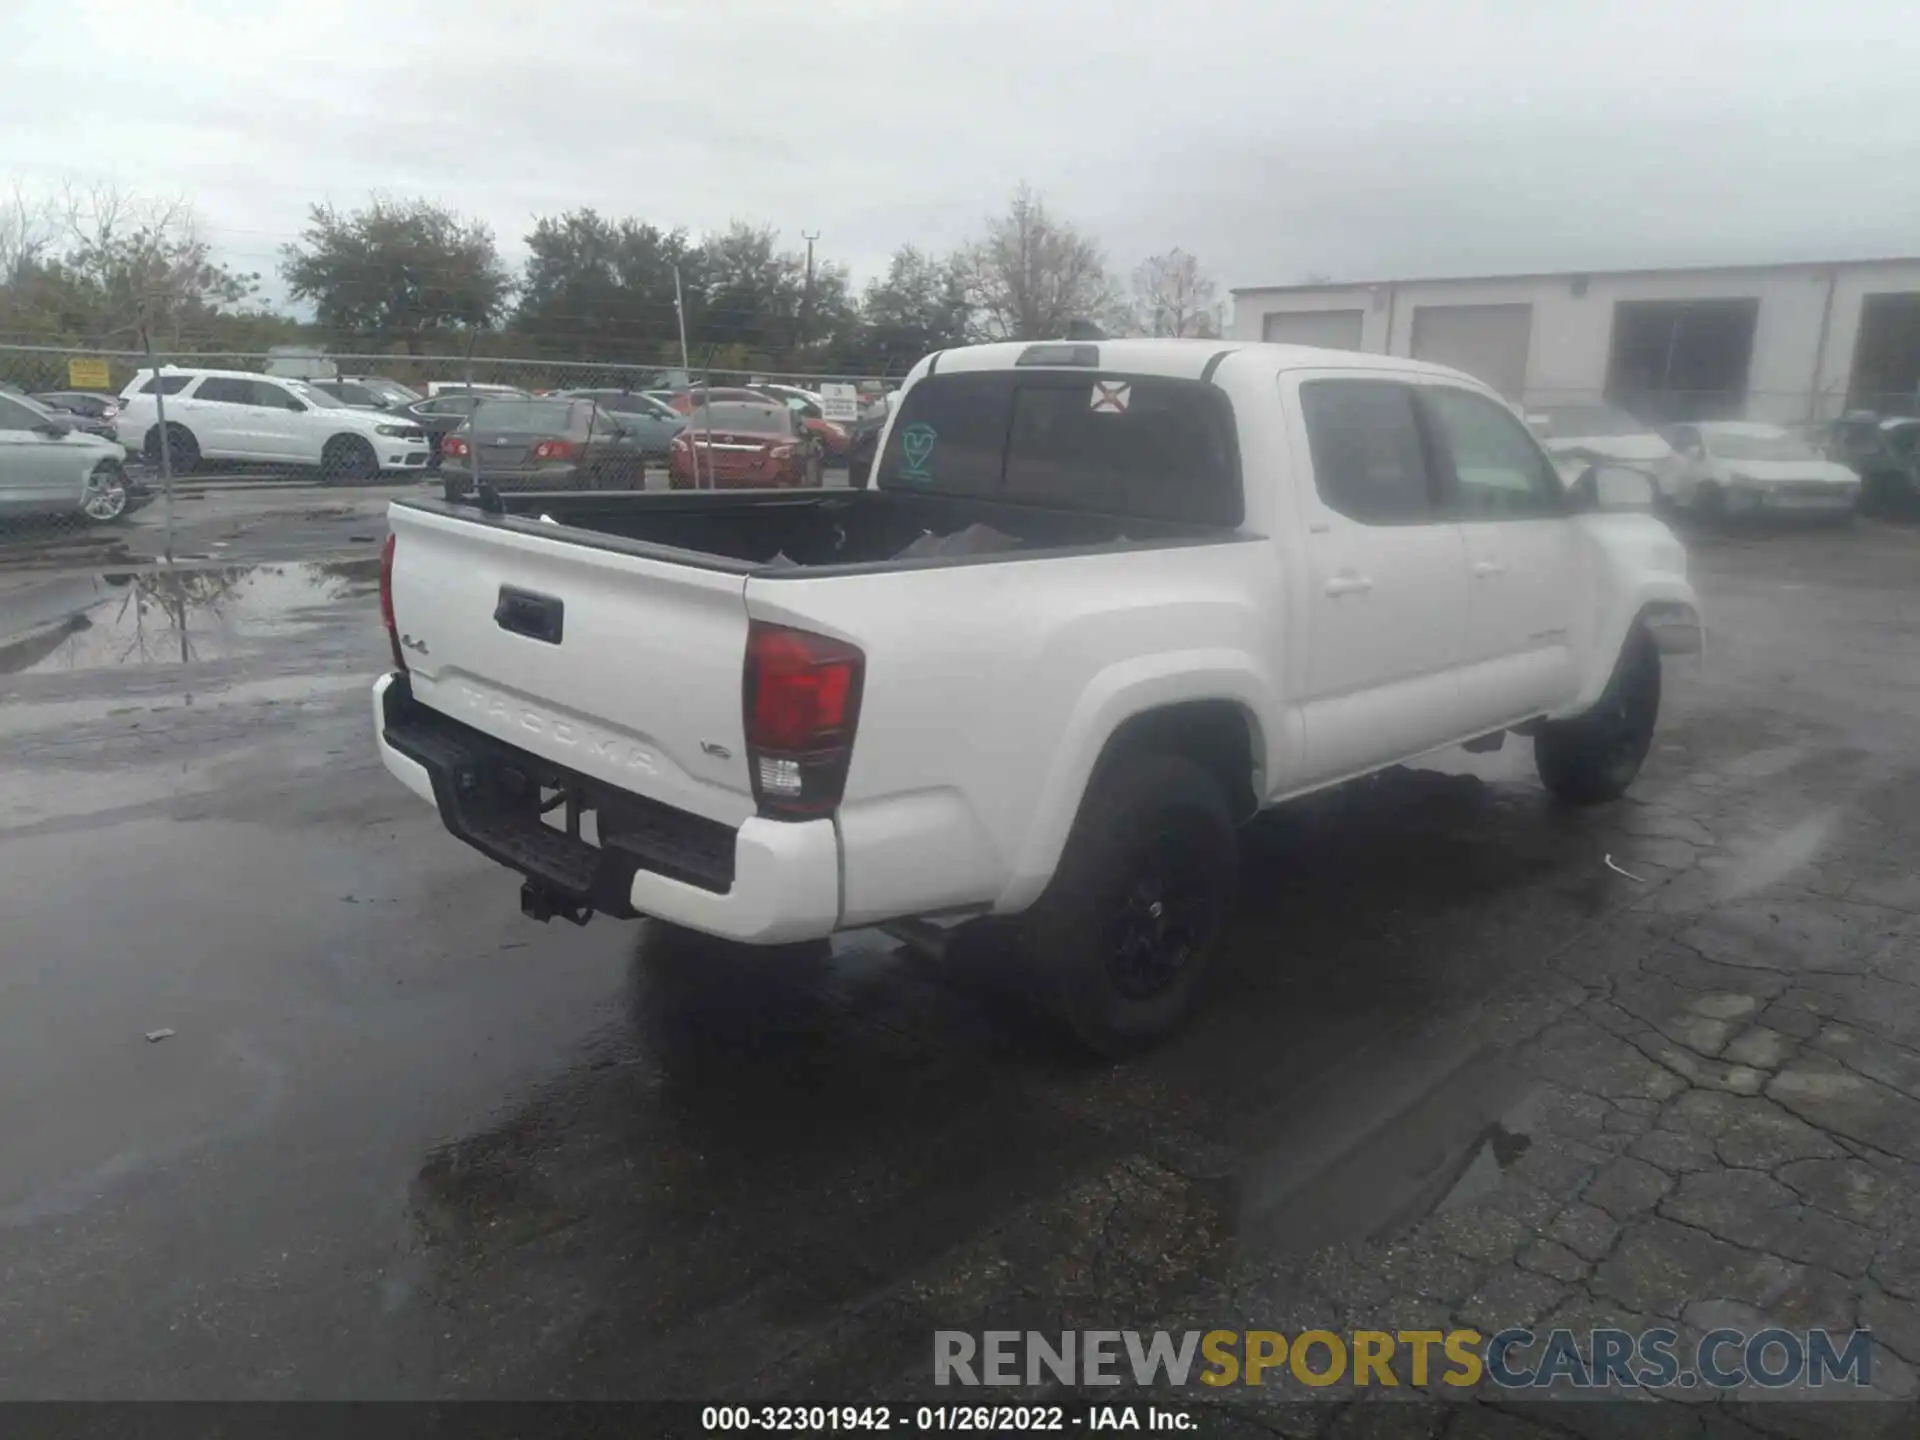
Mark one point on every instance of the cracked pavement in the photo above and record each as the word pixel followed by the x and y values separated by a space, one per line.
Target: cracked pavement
pixel 1478 1061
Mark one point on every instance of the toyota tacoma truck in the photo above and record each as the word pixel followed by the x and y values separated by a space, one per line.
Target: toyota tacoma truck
pixel 1094 607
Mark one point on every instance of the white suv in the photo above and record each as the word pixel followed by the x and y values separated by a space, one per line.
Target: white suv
pixel 239 415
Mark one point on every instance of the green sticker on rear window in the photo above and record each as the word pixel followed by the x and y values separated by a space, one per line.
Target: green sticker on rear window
pixel 916 445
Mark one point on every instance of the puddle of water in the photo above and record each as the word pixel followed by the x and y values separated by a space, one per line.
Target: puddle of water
pixel 89 622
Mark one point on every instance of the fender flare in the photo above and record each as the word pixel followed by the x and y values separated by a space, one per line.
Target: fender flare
pixel 1115 696
pixel 1669 611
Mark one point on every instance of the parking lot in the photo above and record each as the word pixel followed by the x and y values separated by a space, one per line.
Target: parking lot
pixel 232 516
pixel 1478 1061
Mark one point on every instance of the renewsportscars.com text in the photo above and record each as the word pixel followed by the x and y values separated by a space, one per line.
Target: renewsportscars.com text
pixel 1602 1359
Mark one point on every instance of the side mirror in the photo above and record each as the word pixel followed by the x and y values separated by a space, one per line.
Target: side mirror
pixel 1614 487
pixel 298 407
pixel 54 430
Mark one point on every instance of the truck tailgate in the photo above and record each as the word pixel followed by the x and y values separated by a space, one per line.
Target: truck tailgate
pixel 624 668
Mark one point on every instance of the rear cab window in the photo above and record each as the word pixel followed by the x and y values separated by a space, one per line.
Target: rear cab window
pixel 1140 445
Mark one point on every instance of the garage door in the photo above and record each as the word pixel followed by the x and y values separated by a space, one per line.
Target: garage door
pixel 1335 329
pixel 1489 342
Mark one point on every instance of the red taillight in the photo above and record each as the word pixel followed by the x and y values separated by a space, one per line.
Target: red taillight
pixel 801 696
pixel 453 445
pixel 556 450
pixel 386 602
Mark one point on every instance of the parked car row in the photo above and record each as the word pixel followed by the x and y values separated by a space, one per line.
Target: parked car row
pixel 358 428
pixel 1710 468
pixel 590 440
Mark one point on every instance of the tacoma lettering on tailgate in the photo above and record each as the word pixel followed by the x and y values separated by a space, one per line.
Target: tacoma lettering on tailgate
pixel 568 733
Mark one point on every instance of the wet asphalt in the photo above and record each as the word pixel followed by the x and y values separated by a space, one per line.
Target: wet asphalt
pixel 402 1142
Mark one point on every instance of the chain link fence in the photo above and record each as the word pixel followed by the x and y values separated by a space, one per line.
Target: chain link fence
pixel 82 486
pixel 90 479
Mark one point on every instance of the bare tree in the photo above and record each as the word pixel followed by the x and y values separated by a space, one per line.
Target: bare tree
pixel 143 258
pixel 1174 295
pixel 26 235
pixel 1033 277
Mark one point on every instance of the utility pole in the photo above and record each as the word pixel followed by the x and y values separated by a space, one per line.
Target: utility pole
pixel 686 365
pixel 160 424
pixel 806 300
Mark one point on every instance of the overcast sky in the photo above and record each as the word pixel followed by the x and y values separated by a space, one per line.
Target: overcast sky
pixel 1360 138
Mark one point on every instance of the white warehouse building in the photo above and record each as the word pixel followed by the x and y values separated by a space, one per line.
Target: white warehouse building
pixel 1787 343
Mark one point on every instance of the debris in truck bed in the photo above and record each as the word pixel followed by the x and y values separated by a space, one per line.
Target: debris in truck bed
pixel 976 539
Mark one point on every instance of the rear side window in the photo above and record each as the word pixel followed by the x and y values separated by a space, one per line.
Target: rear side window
pixel 272 396
pixel 219 390
pixel 167 385
pixel 1149 446
pixel 1368 461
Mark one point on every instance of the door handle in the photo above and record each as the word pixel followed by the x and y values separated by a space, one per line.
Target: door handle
pixel 523 612
pixel 1485 569
pixel 1349 584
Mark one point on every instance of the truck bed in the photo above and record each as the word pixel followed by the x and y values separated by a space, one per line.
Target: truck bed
pixel 768 534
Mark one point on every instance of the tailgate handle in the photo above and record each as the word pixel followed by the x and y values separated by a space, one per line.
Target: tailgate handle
pixel 523 612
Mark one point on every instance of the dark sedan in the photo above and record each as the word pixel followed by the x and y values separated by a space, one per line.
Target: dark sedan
pixel 81 402
pixel 441 415
pixel 367 392
pixel 653 424
pixel 1885 454
pixel 89 414
pixel 546 444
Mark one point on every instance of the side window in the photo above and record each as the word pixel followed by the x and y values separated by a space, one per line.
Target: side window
pixel 1368 462
pixel 219 390
pixel 1496 468
pixel 260 392
pixel 167 384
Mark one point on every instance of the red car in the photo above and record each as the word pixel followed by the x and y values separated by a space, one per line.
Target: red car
pixel 834 439
pixel 731 445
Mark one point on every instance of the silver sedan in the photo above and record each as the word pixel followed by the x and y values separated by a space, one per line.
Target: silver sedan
pixel 49 468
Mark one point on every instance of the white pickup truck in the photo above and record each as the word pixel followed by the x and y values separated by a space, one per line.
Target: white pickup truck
pixel 1095 605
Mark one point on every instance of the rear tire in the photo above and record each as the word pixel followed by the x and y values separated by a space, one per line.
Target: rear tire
pixel 1131 926
pixel 1594 757
pixel 348 460
pixel 183 451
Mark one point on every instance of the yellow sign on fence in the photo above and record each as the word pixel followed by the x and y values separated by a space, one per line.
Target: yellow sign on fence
pixel 85 374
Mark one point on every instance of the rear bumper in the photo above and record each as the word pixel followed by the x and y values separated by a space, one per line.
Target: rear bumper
pixel 1788 500
pixel 767 883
